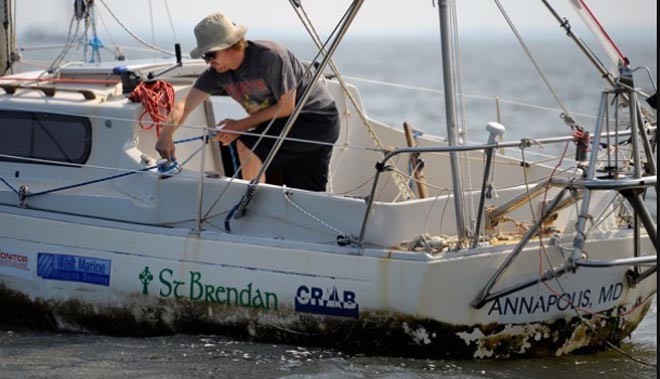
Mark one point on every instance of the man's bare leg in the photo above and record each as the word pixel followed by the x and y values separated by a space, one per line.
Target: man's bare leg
pixel 250 163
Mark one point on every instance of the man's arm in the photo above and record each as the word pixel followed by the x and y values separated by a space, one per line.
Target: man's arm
pixel 165 144
pixel 282 108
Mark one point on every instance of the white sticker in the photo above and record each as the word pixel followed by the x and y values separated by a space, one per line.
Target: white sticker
pixel 17 265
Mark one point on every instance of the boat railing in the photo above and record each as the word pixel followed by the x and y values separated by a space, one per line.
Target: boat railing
pixel 497 213
pixel 49 91
pixel 631 184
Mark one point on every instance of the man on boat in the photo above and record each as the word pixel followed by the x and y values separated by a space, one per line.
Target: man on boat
pixel 268 81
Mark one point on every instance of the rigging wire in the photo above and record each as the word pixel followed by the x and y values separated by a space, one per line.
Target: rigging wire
pixel 579 311
pixel 337 34
pixel 151 18
pixel 568 118
pixel 132 34
pixel 311 30
pixel 169 17
pixel 469 96
pixel 459 84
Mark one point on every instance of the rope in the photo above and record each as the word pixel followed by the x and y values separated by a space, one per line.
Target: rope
pixel 287 196
pixel 95 42
pixel 95 181
pixel 71 34
pixel 157 98
pixel 91 182
pixel 9 185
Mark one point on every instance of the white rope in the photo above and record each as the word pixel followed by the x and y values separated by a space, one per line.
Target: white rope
pixel 67 46
pixel 287 196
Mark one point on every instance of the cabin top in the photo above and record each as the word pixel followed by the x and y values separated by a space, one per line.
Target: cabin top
pixel 102 81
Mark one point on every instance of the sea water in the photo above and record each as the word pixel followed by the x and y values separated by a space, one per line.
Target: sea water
pixel 491 68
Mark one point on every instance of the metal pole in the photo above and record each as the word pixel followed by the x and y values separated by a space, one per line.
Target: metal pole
pixel 357 4
pixel 604 72
pixel 479 301
pixel 580 238
pixel 450 105
pixel 642 212
pixel 353 11
pixel 496 130
pixel 7 39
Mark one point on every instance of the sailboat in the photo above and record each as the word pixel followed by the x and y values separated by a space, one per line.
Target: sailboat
pixel 98 235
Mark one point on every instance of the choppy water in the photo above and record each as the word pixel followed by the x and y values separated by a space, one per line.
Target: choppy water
pixel 490 69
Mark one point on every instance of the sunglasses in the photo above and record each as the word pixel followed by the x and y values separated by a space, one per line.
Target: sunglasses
pixel 209 56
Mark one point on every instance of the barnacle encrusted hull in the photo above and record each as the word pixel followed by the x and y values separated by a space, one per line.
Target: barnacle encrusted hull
pixel 373 333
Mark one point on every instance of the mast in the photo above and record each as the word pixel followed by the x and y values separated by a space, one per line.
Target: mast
pixel 450 105
pixel 7 37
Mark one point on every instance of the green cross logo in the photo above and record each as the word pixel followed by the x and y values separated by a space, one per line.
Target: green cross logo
pixel 146 278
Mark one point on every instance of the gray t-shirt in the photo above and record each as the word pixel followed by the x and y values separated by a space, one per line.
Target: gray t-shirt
pixel 268 71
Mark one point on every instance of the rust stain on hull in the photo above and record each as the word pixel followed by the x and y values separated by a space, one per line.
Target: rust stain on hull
pixel 380 333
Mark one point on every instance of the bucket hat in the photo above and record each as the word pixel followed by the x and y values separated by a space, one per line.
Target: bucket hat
pixel 216 32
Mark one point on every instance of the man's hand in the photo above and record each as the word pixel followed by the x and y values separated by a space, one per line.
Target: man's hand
pixel 165 143
pixel 228 131
pixel 165 146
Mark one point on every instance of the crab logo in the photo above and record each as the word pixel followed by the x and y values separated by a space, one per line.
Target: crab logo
pixel 333 302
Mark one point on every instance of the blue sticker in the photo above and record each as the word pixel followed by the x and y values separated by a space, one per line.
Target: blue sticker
pixel 332 303
pixel 73 268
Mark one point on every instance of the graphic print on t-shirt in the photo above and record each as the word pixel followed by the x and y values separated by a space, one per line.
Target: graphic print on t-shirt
pixel 253 95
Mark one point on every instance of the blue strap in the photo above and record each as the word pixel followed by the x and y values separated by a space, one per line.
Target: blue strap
pixel 230 215
pixel 234 157
pixel 97 180
pixel 91 182
pixel 9 185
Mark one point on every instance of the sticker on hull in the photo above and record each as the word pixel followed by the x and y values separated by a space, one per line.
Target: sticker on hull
pixel 73 268
pixel 333 302
pixel 16 265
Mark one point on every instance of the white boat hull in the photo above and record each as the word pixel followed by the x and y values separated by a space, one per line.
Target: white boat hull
pixel 125 279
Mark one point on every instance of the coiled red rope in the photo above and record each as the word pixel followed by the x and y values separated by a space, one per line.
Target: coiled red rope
pixel 157 98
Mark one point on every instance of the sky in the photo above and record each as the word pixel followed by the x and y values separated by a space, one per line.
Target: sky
pixel 382 18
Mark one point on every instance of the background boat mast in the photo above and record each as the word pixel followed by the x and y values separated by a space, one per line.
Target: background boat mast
pixel 450 106
pixel 7 36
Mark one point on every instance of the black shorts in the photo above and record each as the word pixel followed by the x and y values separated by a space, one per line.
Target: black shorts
pixel 302 165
